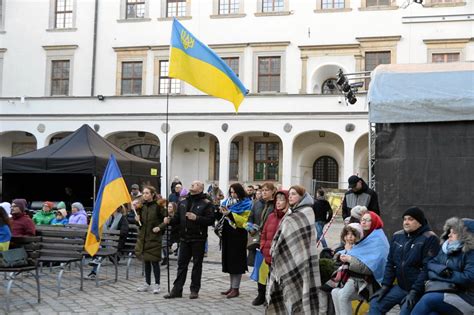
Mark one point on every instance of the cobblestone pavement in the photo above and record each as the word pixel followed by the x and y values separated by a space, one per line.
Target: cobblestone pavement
pixel 122 298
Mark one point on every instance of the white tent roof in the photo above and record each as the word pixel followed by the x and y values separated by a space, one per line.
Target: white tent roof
pixel 422 93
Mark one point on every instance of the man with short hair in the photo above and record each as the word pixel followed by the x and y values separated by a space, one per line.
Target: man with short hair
pixel 135 191
pixel 359 194
pixel 410 251
pixel 194 215
pixel 250 190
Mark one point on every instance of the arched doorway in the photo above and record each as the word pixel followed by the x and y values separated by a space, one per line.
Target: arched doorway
pixel 326 172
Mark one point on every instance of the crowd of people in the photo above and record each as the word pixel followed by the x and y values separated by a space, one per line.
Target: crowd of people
pixel 278 232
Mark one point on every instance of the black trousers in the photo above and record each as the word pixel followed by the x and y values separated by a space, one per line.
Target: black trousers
pixel 156 271
pixel 188 250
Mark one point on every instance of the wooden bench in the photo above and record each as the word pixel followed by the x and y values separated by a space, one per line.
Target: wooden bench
pixel 63 246
pixel 128 249
pixel 32 246
pixel 108 248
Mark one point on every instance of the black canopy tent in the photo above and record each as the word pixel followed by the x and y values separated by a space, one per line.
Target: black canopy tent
pixel 77 161
pixel 422 140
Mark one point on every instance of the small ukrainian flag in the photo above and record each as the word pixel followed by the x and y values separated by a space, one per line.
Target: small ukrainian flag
pixel 195 63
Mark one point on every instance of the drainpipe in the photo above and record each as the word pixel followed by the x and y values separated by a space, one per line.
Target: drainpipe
pixel 94 48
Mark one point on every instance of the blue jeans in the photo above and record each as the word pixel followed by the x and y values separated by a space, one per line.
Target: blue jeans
pixel 394 296
pixel 432 303
pixel 319 232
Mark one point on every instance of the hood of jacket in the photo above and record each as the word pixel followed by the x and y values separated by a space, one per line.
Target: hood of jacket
pixel 465 230
pixel 306 201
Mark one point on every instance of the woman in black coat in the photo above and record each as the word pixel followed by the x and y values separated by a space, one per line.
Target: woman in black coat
pixel 236 209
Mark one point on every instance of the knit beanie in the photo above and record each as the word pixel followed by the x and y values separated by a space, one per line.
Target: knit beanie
pixel 49 204
pixel 21 203
pixel 61 205
pixel 358 211
pixel 417 214
pixel 78 205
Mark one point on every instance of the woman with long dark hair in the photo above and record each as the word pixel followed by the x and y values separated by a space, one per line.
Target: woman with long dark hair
pixel 5 230
pixel 150 235
pixel 236 209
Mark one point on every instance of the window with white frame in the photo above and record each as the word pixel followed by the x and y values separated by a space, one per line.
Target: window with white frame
pixel 60 70
pixel 269 72
pixel 63 14
pixel 175 8
pixel 165 83
pixel 131 80
pixel 332 4
pixel 273 5
pixel 135 9
pixel 233 161
pixel 229 7
pixel 445 57
pixel 233 63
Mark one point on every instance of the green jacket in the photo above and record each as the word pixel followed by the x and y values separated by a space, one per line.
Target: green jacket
pixel 43 217
pixel 148 245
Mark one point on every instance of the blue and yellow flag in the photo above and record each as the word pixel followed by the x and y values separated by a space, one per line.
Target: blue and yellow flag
pixel 195 63
pixel 112 194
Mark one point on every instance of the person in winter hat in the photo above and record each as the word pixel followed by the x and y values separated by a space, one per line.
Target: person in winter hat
pixel 7 207
pixel 79 215
pixel 454 267
pixel 410 251
pixel 22 225
pixel 61 218
pixel 45 215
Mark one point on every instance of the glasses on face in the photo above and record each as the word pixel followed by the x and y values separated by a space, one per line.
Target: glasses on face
pixel 366 220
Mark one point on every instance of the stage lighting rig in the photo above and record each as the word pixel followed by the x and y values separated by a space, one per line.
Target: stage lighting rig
pixel 348 89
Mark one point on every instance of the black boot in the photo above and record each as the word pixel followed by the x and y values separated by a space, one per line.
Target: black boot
pixel 260 299
pixel 164 262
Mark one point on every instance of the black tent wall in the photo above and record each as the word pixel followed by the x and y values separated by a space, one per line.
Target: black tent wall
pixel 430 165
pixel 71 162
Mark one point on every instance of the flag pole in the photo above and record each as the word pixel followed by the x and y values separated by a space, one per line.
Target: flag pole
pixel 167 176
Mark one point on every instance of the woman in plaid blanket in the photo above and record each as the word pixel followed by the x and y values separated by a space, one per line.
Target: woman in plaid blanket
pixel 294 275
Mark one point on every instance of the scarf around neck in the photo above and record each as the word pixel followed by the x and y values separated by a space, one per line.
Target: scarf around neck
pixel 450 247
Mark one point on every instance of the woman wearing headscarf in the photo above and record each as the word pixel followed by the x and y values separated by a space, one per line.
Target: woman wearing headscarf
pixel 78 214
pixel 22 225
pixel 365 261
pixel 236 209
pixel 450 288
pixel 294 276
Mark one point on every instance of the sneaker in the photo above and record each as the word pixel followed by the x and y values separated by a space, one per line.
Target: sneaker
pixel 156 289
pixel 143 288
pixel 91 276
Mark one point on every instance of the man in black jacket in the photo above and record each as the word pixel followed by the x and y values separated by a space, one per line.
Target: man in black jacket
pixel 359 194
pixel 194 215
pixel 410 251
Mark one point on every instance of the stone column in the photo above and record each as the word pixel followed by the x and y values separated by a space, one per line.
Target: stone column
pixel 349 146
pixel 286 169
pixel 224 150
pixel 304 79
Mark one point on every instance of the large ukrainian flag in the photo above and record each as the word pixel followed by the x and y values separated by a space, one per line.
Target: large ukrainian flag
pixel 112 194
pixel 195 63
